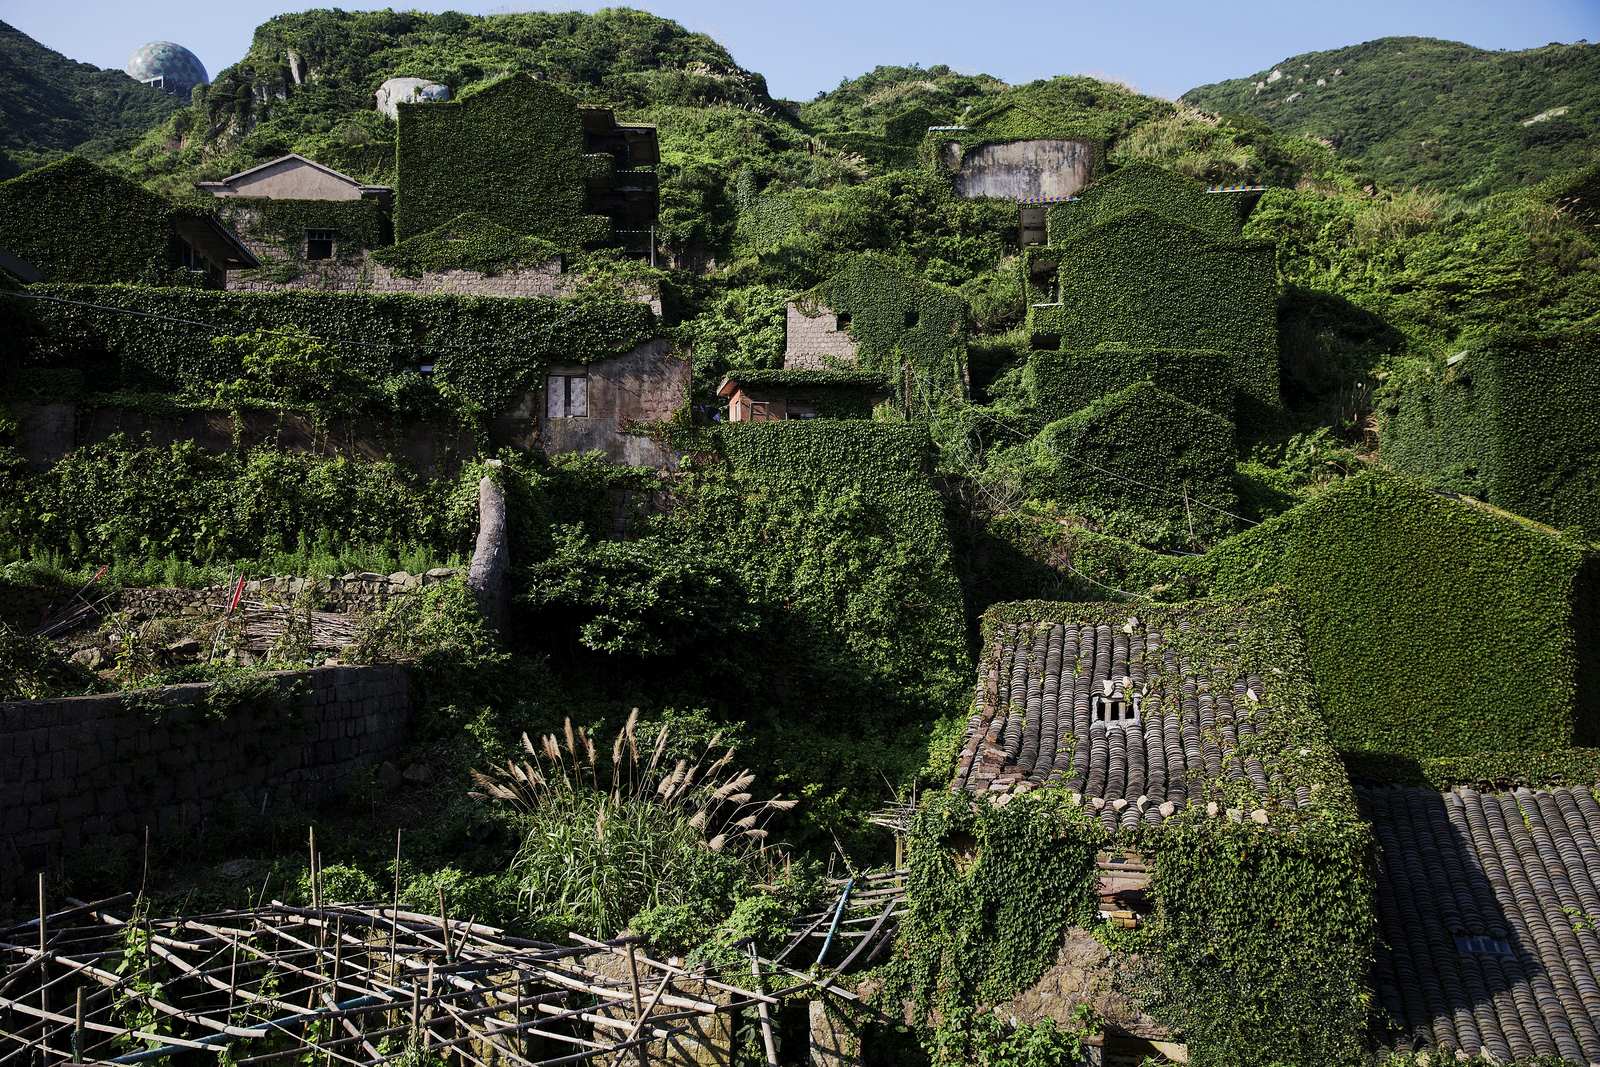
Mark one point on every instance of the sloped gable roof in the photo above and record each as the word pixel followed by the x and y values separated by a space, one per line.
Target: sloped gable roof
pixel 1489 911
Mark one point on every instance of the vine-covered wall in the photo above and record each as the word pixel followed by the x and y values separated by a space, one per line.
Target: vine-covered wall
pixel 1144 451
pixel 489 351
pixel 469 241
pixel 1514 422
pixel 1435 626
pixel 1062 381
pixel 512 152
pixel 910 331
pixel 1143 185
pixel 78 222
pixel 359 225
pixel 1146 281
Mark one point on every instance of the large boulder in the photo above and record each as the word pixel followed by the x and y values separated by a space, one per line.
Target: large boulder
pixel 409 90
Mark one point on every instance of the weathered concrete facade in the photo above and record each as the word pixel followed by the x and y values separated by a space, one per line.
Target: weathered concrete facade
pixel 816 339
pixel 293 177
pixel 617 397
pixel 1021 170
pixel 93 772
pixel 47 432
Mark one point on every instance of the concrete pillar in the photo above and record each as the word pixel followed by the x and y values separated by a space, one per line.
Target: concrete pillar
pixel 835 1036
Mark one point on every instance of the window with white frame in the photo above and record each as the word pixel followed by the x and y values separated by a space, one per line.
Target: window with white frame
pixel 566 396
pixel 1114 710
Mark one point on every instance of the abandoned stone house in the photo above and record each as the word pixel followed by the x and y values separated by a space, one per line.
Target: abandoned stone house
pixel 1138 721
pixel 103 227
pixel 987 159
pixel 606 406
pixel 776 396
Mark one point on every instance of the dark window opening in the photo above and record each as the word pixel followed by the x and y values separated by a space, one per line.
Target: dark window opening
pixel 802 410
pixel 187 257
pixel 1481 945
pixel 912 318
pixel 1046 342
pixel 841 322
pixel 319 244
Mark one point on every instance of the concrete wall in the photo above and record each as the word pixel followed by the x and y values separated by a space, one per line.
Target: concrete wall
pixel 1021 170
pixel 813 341
pixel 84 773
pixel 649 384
pixel 289 179
pixel 47 432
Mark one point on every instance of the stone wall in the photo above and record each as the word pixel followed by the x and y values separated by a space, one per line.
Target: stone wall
pixel 358 273
pixel 350 594
pixel 1021 170
pixel 91 773
pixel 47 432
pixel 813 341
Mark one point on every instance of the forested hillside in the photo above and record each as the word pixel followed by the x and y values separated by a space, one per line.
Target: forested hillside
pixel 49 105
pixel 1426 112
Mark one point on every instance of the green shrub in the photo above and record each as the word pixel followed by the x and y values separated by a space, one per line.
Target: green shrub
pixel 1512 422
pixel 119 499
pixel 649 597
pixel 31 669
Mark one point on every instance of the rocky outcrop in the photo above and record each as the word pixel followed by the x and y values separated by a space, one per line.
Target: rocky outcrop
pixel 408 90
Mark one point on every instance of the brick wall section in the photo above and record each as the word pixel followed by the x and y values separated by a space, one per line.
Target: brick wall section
pixel 83 773
pixel 812 342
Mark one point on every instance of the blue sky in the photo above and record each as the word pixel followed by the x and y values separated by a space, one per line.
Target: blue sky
pixel 803 48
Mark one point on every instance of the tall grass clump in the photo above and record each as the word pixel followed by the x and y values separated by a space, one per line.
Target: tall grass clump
pixel 603 840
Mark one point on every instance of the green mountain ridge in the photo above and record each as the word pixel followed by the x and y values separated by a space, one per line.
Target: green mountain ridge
pixel 50 104
pixel 1428 112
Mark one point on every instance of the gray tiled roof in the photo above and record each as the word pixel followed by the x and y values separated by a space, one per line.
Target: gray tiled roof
pixel 1031 724
pixel 1488 905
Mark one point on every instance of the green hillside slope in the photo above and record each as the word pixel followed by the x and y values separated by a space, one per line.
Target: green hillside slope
pixel 49 105
pixel 1421 111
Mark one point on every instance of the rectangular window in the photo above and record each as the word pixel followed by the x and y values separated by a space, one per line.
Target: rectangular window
pixel 319 244
pixel 802 411
pixel 912 318
pixel 566 396
pixel 841 322
pixel 1114 710
pixel 760 411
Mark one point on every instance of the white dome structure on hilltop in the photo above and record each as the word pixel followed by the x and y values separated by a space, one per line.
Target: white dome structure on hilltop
pixel 169 67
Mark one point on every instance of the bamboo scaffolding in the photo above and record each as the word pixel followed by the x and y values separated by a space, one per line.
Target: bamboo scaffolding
pixel 339 984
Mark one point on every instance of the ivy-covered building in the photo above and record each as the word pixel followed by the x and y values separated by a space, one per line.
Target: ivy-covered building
pixel 780 395
pixel 1150 260
pixel 1163 769
pixel 526 155
pixel 877 316
pixel 77 222
pixel 1511 421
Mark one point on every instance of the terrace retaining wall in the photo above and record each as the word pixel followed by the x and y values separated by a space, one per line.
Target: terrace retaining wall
pixel 92 772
